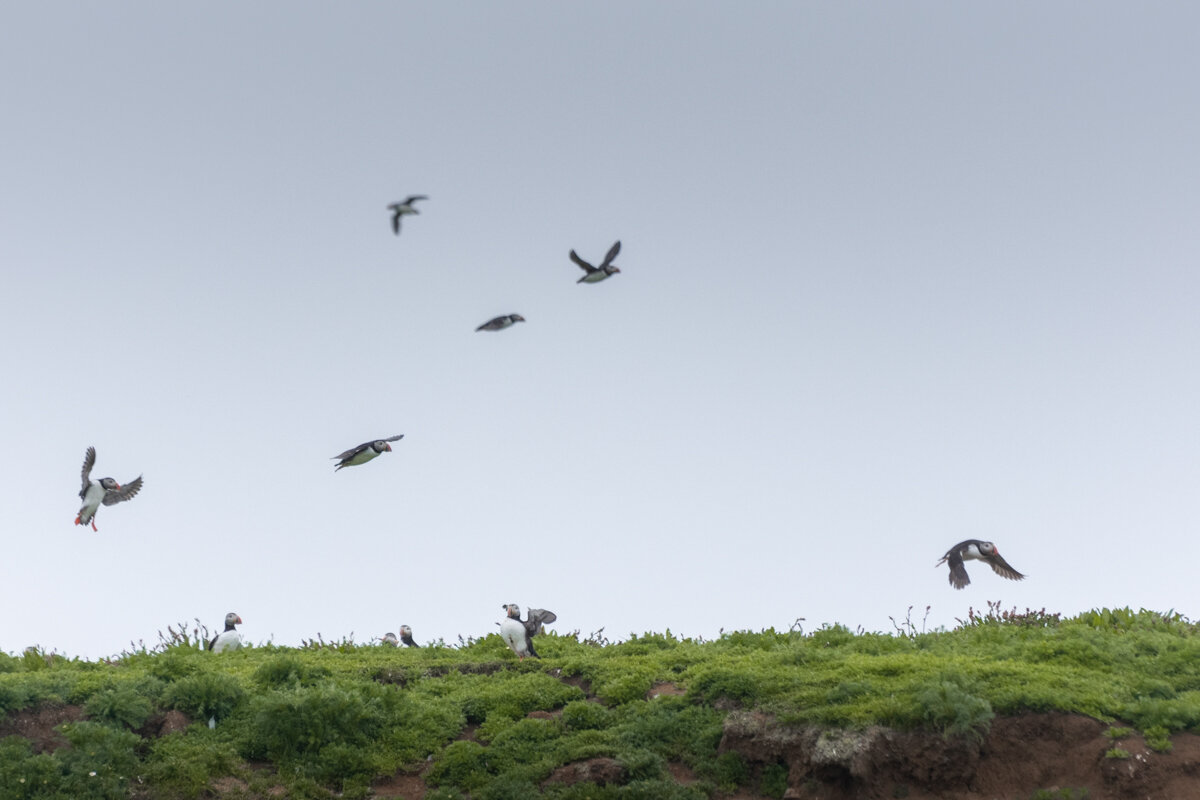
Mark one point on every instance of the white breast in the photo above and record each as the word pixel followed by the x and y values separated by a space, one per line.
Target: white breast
pixel 229 640
pixel 513 633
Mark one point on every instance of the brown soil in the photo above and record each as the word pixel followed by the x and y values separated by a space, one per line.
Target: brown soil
pixel 665 689
pixel 38 725
pixel 601 771
pixel 409 787
pixel 1019 756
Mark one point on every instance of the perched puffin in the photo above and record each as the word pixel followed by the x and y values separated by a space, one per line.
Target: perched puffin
pixel 106 491
pixel 229 639
pixel 983 551
pixel 404 207
pixel 406 636
pixel 519 634
pixel 500 323
pixel 597 274
pixel 390 639
pixel 365 452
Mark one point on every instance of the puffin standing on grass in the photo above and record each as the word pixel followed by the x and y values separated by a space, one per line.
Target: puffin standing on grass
pixel 404 207
pixel 518 634
pixel 105 490
pixel 365 452
pixel 229 639
pixel 982 551
pixel 406 636
pixel 597 274
pixel 390 640
pixel 500 323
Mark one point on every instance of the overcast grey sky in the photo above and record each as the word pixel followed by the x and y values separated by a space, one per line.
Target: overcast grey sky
pixel 893 276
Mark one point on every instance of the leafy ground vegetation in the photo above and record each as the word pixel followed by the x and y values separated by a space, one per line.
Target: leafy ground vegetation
pixel 336 719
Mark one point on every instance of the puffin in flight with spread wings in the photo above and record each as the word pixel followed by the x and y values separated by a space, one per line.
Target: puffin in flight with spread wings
pixel 105 490
pixel 404 207
pixel 365 452
pixel 597 274
pixel 982 551
pixel 518 633
pixel 500 323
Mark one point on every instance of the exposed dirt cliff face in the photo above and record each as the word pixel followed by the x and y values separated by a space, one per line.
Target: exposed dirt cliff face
pixel 1019 756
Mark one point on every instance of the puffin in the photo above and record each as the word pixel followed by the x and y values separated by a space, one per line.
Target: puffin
pixel 518 634
pixel 365 452
pixel 105 490
pixel 597 274
pixel 406 636
pixel 390 639
pixel 404 207
pixel 976 549
pixel 229 639
pixel 500 323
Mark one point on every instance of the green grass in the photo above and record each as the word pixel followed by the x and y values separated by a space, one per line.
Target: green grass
pixel 326 719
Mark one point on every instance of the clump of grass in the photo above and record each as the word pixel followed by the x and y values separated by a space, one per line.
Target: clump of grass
pixel 1116 733
pixel 1117 753
pixel 289 671
pixel 1158 739
pixel 948 705
pixel 121 706
pixel 205 695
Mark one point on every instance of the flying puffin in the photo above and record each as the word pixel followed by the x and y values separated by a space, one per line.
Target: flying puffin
pixel 365 452
pixel 983 551
pixel 519 634
pixel 597 274
pixel 500 323
pixel 229 639
pixel 390 639
pixel 105 490
pixel 404 207
pixel 406 636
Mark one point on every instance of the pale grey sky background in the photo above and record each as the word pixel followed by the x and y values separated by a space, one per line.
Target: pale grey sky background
pixel 894 275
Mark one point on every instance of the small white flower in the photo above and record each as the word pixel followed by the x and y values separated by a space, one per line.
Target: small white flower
pixel 92 774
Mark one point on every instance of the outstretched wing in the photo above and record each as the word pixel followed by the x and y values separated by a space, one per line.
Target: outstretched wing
pixel 126 492
pixel 958 572
pixel 537 618
pixel 392 438
pixel 412 198
pixel 89 460
pixel 612 253
pixel 1002 568
pixel 353 451
pixel 395 220
pixel 585 266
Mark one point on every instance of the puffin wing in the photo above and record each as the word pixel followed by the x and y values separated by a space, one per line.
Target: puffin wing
pixel 395 220
pixel 490 325
pixel 353 451
pixel 537 618
pixel 1002 568
pixel 585 266
pixel 89 461
pixel 126 492
pixel 958 572
pixel 612 253
pixel 391 438
pixel 412 198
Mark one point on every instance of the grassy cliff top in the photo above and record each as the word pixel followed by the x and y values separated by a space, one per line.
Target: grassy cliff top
pixel 331 719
